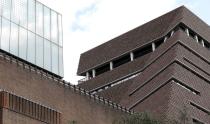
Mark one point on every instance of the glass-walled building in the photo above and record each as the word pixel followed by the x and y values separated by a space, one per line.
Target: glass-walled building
pixel 32 32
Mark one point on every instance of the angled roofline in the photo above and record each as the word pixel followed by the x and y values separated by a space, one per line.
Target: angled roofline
pixel 181 16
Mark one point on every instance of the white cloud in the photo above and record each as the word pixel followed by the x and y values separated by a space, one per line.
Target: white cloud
pixel 88 23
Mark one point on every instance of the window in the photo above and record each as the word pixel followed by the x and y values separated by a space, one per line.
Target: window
pixel 31 47
pixel 207 45
pixel 54 27
pixel 39 51
pixel 60 30
pixel 47 55
pixel 15 14
pixel 121 61
pixel 39 18
pixel 22 43
pixel 47 23
pixel 158 43
pixel 23 13
pixel 142 51
pixel 5 35
pixel 14 39
pixel 31 15
pixel 102 69
pixel 54 58
pixel 6 8
pixel 61 61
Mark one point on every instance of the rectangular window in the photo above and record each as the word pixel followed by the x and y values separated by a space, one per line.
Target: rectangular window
pixel 47 23
pixel 47 55
pixel 121 61
pixel 158 43
pixel 31 15
pixel 5 35
pixel 23 13
pixel 39 51
pixel 6 8
pixel 60 30
pixel 15 14
pixel 31 47
pixel 142 51
pixel 39 18
pixel 14 39
pixel 22 43
pixel 54 58
pixel 54 27
pixel 102 69
pixel 61 61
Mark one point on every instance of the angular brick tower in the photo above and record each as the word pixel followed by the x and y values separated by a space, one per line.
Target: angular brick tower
pixel 161 67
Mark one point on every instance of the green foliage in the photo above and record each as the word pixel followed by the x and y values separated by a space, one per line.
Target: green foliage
pixel 143 118
pixel 72 122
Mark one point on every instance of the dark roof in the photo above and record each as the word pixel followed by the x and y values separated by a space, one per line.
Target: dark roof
pixel 141 36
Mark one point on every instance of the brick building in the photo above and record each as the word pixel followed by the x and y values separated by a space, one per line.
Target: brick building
pixel 160 67
pixel 157 67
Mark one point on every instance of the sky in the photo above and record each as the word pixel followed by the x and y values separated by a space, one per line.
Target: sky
pixel 89 23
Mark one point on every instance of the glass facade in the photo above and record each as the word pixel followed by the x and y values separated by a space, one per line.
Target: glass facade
pixel 32 32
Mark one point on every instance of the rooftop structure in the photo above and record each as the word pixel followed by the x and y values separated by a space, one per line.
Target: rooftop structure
pixel 32 32
pixel 160 67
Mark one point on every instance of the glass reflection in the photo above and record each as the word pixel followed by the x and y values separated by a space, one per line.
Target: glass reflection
pixel 15 14
pixel 6 8
pixel 54 58
pixel 23 13
pixel 61 61
pixel 31 47
pixel 39 18
pixel 14 39
pixel 22 43
pixel 39 51
pixel 31 15
pixel 60 30
pixel 47 23
pixel 47 55
pixel 33 32
pixel 5 35
pixel 54 27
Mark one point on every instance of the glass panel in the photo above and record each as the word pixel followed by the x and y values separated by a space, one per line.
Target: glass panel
pixel 60 30
pixel 31 15
pixel 14 39
pixel 5 35
pixel 47 55
pixel 47 23
pixel 54 27
pixel 39 18
pixel 23 13
pixel 61 61
pixel 0 29
pixel 39 51
pixel 0 7
pixel 6 6
pixel 54 58
pixel 22 43
pixel 31 47
pixel 15 14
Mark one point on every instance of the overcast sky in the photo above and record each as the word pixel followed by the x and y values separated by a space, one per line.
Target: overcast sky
pixel 88 23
